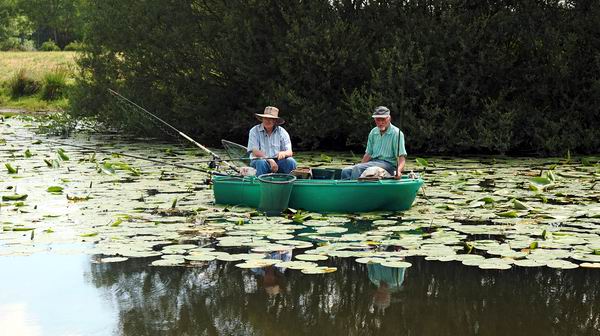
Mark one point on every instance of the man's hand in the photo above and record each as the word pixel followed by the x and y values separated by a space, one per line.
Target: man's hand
pixel 274 166
pixel 281 155
pixel 398 175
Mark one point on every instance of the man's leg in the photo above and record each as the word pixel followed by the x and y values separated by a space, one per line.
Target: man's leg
pixel 385 165
pixel 347 173
pixel 286 165
pixel 355 171
pixel 261 166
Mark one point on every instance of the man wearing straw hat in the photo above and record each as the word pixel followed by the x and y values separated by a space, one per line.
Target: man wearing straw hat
pixel 269 144
pixel 385 148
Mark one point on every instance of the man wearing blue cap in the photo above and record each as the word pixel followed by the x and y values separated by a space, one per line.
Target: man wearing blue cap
pixel 385 148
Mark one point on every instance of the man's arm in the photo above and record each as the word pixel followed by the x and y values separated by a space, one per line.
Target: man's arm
pixel 253 144
pixel 366 158
pixel 286 145
pixel 401 162
pixel 257 153
pixel 284 154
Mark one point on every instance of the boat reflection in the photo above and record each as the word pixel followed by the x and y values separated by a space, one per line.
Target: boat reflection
pixel 430 298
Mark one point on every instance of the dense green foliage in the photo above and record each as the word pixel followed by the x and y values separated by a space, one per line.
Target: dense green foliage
pixel 58 20
pixel 49 46
pixel 460 76
pixel 27 24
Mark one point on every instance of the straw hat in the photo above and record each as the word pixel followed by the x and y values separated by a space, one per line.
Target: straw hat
pixel 272 113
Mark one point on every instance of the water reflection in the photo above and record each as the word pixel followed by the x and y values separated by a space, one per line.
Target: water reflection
pixel 272 278
pixel 430 298
pixel 387 280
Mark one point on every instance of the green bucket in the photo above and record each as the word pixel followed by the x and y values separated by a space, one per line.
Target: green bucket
pixel 275 191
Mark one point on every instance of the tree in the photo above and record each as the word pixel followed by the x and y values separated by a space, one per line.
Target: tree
pixel 59 20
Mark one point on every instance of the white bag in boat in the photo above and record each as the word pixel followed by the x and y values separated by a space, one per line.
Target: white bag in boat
pixel 375 172
pixel 247 171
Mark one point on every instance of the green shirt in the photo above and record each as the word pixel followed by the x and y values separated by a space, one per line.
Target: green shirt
pixel 388 146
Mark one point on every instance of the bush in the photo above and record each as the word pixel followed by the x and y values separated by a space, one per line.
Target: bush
pixel 21 84
pixel 14 43
pixel 11 43
pixel 49 46
pixel 55 84
pixel 74 46
pixel 27 45
pixel 498 76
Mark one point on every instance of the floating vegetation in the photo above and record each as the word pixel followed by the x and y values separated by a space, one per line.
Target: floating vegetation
pixel 511 214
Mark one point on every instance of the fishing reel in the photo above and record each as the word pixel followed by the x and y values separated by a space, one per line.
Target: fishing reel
pixel 213 164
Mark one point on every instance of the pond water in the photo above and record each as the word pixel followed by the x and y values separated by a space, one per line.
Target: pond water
pixel 101 244
pixel 69 295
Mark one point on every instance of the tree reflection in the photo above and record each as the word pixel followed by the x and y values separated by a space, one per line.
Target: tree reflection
pixel 430 298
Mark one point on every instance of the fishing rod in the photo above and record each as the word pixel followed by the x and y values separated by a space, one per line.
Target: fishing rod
pixel 134 156
pixel 119 96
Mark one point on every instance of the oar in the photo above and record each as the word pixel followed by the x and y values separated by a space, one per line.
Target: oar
pixel 118 95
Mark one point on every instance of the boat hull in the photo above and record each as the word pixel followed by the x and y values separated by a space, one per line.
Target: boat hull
pixel 325 196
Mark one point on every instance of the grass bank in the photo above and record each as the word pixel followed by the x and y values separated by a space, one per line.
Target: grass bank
pixel 37 65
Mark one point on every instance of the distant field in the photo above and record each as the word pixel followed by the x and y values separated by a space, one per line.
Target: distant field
pixel 36 62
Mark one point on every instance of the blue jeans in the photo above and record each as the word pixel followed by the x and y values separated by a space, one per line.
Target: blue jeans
pixel 262 166
pixel 353 172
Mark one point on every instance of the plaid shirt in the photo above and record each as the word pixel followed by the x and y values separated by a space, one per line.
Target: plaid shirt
pixel 278 141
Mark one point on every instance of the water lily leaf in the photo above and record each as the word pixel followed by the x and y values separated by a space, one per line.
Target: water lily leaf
pixel 55 189
pixel 422 162
pixel 92 234
pixel 396 264
pixel 52 163
pixel 476 204
pixel 520 205
pixel 311 257
pixel 508 214
pixel 319 270
pixel 201 257
pixel 487 200
pixel 105 168
pixel 542 181
pixel 589 265
pixel 15 197
pixel 10 168
pixel 561 264
pixel 62 155
pixel 370 260
pixel 497 266
pixel 74 198
pixel 324 158
pixel 167 262
pixel 22 229
pixel 113 259
pixel 27 153
pixel 528 263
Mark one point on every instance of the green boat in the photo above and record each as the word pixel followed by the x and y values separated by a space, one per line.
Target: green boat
pixel 324 195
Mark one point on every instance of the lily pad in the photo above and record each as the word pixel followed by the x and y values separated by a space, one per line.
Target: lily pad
pixel 396 264
pixel 311 257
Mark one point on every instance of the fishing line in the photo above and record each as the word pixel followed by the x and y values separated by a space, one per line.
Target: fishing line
pixel 169 126
pixel 92 149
